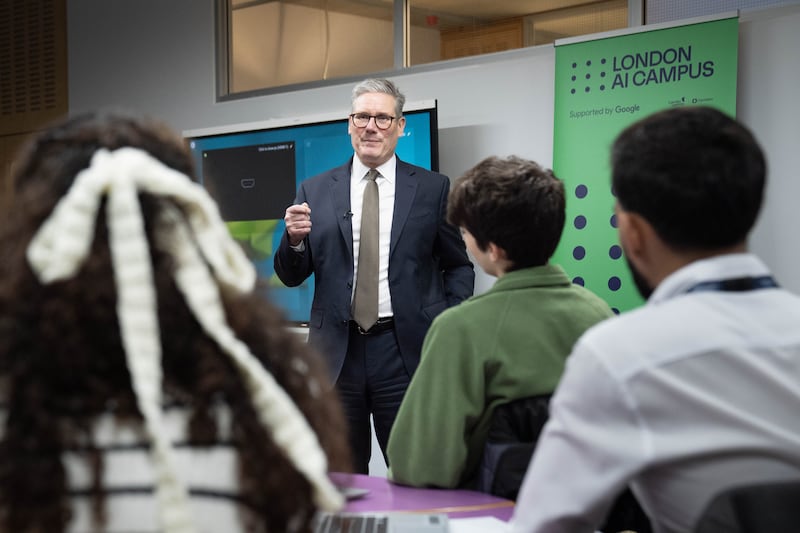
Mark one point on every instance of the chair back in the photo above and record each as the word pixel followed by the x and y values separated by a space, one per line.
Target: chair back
pixel 513 432
pixel 758 508
pixel 511 441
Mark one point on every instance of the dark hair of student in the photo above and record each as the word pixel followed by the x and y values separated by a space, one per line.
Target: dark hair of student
pixel 696 174
pixel 514 203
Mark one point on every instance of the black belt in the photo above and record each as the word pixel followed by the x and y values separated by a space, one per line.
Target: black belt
pixel 383 324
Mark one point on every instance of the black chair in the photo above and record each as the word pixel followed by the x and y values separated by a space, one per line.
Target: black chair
pixel 758 508
pixel 512 437
pixel 511 441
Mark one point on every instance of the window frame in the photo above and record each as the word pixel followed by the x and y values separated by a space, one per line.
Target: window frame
pixel 401 10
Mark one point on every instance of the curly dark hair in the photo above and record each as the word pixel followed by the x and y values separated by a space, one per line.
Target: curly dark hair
pixel 62 363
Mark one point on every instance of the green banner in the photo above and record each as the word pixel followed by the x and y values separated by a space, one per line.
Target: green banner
pixel 603 85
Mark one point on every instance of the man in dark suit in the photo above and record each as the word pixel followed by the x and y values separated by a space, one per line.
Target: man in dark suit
pixel 419 260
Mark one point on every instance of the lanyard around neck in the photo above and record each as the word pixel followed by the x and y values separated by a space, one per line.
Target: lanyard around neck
pixel 736 284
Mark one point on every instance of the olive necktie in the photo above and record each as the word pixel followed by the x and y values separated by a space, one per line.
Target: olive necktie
pixel 365 300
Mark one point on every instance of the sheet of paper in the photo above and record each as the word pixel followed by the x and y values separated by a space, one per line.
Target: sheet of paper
pixel 478 524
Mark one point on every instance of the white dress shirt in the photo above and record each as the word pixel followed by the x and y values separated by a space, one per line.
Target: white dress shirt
pixel 386 186
pixel 688 395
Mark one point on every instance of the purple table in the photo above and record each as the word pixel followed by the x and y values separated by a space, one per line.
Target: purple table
pixel 386 496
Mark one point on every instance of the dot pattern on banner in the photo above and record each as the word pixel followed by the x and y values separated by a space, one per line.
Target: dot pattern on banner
pixel 581 253
pixel 587 73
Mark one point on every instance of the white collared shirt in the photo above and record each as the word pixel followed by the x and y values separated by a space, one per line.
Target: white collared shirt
pixel 386 187
pixel 684 397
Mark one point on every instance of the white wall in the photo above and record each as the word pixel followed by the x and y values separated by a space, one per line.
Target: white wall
pixel 769 78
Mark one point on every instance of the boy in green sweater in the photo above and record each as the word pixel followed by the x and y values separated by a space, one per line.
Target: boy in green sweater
pixel 508 343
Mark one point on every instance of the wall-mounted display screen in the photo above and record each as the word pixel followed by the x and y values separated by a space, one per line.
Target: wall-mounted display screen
pixel 253 170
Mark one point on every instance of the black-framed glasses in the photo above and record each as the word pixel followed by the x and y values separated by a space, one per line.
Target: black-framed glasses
pixel 360 120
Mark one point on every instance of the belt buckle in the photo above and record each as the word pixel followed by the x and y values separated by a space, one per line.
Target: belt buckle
pixel 359 329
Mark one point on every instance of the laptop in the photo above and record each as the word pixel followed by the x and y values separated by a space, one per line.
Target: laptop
pixel 381 522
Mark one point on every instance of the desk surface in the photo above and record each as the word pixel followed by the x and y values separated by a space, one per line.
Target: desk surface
pixel 384 495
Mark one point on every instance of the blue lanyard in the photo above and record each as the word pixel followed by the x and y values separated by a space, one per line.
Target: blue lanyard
pixel 736 284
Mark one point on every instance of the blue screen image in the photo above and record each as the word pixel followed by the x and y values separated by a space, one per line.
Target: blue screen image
pixel 253 173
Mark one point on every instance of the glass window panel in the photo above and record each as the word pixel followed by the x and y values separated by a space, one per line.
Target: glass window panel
pixel 276 43
pixel 479 27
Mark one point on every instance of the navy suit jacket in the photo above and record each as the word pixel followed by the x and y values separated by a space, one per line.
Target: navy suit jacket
pixel 429 270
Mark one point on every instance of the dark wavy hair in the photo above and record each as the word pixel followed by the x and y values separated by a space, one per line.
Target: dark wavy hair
pixel 62 363
pixel 513 202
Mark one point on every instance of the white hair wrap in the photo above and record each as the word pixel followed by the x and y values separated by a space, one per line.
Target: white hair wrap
pixel 61 245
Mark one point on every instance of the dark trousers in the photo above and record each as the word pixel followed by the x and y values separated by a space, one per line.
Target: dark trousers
pixel 373 381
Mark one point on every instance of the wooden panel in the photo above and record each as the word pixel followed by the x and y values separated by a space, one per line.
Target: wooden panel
pixel 496 37
pixel 33 64
pixel 9 144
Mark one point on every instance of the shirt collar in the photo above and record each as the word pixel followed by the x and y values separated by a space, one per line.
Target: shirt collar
pixel 714 268
pixel 387 170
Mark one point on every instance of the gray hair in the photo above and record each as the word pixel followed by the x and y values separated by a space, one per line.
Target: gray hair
pixel 379 85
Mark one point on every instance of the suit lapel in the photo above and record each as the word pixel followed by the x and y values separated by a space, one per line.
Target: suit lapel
pixel 340 196
pixel 405 189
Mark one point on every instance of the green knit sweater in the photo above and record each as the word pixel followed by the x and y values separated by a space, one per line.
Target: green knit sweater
pixel 508 343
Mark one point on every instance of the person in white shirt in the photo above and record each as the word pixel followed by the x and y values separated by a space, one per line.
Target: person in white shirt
pixel 698 390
